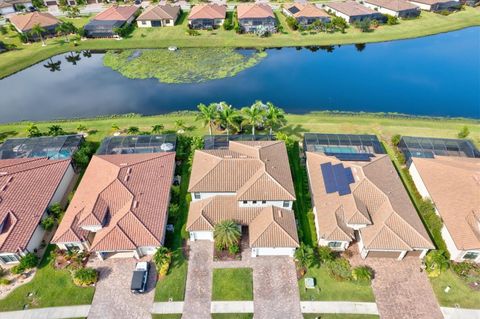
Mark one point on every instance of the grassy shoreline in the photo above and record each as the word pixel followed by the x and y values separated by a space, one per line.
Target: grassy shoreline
pixel 428 24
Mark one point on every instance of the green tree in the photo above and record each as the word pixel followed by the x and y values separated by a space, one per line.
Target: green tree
pixel 162 256
pixel 364 25
pixel 227 117
pixel 33 131
pixel 396 139
pixel 55 130
pixel 254 115
pixel 208 115
pixel 274 117
pixel 81 128
pixel 304 256
pixel 464 132
pixel 338 23
pixel 362 274
pixel 39 31
pixel 65 28
pixel 38 3
pixel 115 127
pixel 325 254
pixel 133 130
pixel 292 23
pixel 157 128
pixel 392 20
pixel 85 276
pixel 180 125
pixel 436 262
pixel 226 234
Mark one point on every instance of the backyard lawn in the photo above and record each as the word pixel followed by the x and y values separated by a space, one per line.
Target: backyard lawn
pixel 460 293
pixel 232 284
pixel 427 24
pixel 50 288
pixel 329 289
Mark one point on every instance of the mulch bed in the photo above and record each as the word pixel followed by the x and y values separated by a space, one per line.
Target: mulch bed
pixel 224 255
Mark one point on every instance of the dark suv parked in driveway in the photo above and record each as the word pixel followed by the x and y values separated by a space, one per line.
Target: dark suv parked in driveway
pixel 140 277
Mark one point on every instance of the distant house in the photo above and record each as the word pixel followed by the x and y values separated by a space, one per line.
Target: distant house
pixel 205 16
pixel 305 14
pixel 159 16
pixel 25 22
pixel 69 2
pixel 6 8
pixel 28 187
pixel 253 16
pixel 11 6
pixel 397 8
pixel 105 23
pixel 436 5
pixel 352 11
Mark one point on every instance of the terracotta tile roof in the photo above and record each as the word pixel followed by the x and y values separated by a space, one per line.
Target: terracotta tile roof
pixel 127 196
pixel 394 5
pixel 254 10
pixel 377 200
pixel 267 227
pixel 208 11
pixel 254 170
pixel 160 12
pixel 454 186
pixel 350 8
pixel 25 22
pixel 431 2
pixel 307 10
pixel 26 189
pixel 117 13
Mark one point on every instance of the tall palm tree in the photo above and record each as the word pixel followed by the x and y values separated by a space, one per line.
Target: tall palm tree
pixel 39 31
pixel 228 117
pixel 226 234
pixel 157 128
pixel 304 256
pixel 55 130
pixel 65 28
pixel 53 66
pixel 180 125
pixel 162 256
pixel 208 115
pixel 133 130
pixel 253 116
pixel 73 58
pixel 274 117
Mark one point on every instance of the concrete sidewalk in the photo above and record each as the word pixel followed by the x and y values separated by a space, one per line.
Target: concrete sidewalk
pixel 459 313
pixel 232 307
pixel 48 313
pixel 369 308
pixel 168 307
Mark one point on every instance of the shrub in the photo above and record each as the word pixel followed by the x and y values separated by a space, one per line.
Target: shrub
pixel 227 24
pixel 362 274
pixel 48 223
pixel 83 155
pixel 173 209
pixel 364 25
pixel 325 254
pixel 234 249
pixel 162 256
pixel 28 261
pixel 17 269
pixel 4 281
pixel 292 23
pixel 465 268
pixel 193 33
pixel 85 276
pixel 55 210
pixel 396 139
pixel 340 269
pixel 175 193
pixel 436 262
pixel 464 132
pixel 3 30
pixel 392 20
pixel 164 269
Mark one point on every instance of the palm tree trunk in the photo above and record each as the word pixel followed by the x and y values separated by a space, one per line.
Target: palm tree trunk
pixel 41 38
pixel 253 129
pixel 271 130
pixel 210 128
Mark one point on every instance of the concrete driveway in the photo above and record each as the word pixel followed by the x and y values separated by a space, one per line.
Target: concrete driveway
pixel 113 298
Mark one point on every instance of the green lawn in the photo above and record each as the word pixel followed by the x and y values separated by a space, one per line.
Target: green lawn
pixel 50 288
pixel 460 294
pixel 338 316
pixel 232 284
pixel 427 24
pixel 232 315
pixel 331 290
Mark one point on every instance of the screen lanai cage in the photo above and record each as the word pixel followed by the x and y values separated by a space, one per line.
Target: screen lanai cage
pixel 138 144
pixel 221 141
pixel 52 147
pixel 427 147
pixel 347 146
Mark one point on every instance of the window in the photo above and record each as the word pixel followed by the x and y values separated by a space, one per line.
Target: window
pixel 286 204
pixel 254 202
pixel 9 258
pixel 71 247
pixel 264 201
pixel 245 202
pixel 167 21
pixel 196 195
pixel 471 255
pixel 335 244
pixel 144 22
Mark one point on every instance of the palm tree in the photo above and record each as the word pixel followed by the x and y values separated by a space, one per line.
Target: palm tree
pixel 180 125
pixel 115 127
pixel 226 234
pixel 304 256
pixel 208 115
pixel 253 116
pixel 73 58
pixel 157 128
pixel 65 28
pixel 274 117
pixel 53 66
pixel 362 273
pixel 39 31
pixel 81 128
pixel 55 130
pixel 162 256
pixel 133 130
pixel 228 117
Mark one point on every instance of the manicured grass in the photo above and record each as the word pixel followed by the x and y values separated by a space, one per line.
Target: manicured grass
pixel 337 316
pixel 232 284
pixel 429 23
pixel 51 288
pixel 331 290
pixel 460 293
pixel 232 315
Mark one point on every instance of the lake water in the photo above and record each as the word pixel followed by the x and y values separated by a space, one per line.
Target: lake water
pixel 437 75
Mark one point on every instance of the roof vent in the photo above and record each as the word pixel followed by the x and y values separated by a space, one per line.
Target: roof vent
pixel 280 213
pixel 243 156
pixel 135 204
pixel 126 178
pixel 3 173
pixel 123 164
pixel 4 188
pixel 10 179
pixel 227 156
pixel 129 170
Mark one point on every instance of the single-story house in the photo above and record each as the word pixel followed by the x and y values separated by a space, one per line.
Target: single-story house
pixel 120 208
pixel 357 196
pixel 251 184
pixel 28 187
pixel 352 11
pixel 305 14
pixel 256 15
pixel 159 16
pixel 11 6
pixel 397 8
pixel 207 16
pixel 69 2
pixel 436 5
pixel 105 23
pixel 24 23
pixel 6 8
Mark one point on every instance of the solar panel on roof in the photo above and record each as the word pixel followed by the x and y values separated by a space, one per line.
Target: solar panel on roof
pixel 337 178
pixel 293 10
pixel 328 178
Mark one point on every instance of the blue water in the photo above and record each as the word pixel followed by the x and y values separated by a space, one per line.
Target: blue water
pixel 437 75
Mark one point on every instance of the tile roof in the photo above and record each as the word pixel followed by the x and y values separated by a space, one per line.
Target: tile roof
pixel 208 11
pixel 116 13
pixel 454 186
pixel 394 5
pixel 160 12
pixel 268 226
pixel 431 2
pixel 127 196
pixel 350 8
pixel 254 10
pixel 377 200
pixel 255 170
pixel 307 10
pixel 27 21
pixel 27 187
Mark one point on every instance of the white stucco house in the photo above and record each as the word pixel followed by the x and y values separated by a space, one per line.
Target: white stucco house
pixel 396 8
pixel 159 16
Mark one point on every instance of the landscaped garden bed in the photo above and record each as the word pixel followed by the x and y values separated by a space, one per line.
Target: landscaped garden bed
pixel 232 284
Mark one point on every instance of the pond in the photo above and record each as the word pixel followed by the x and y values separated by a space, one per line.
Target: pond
pixel 435 76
